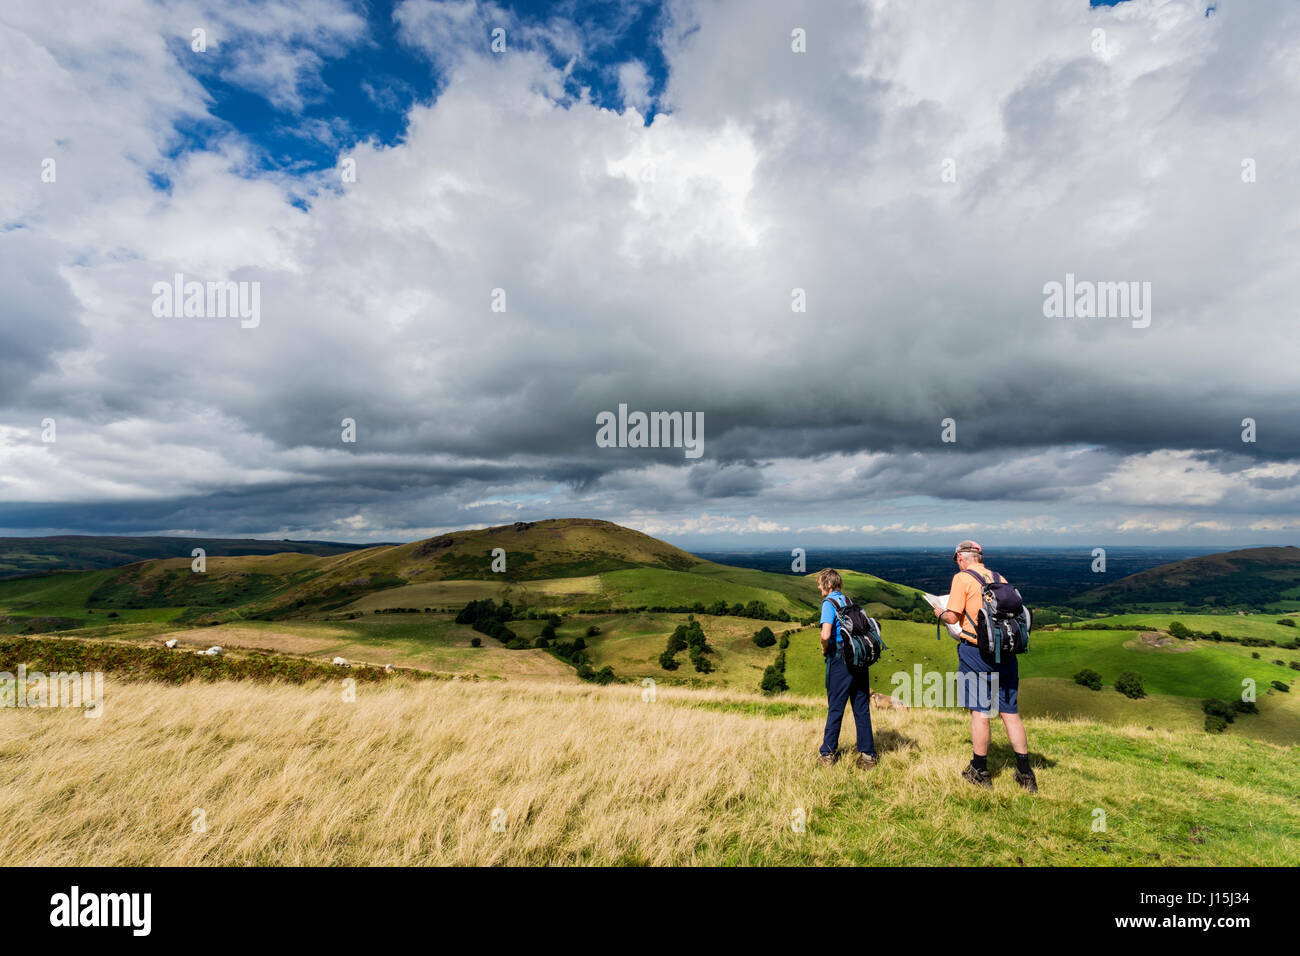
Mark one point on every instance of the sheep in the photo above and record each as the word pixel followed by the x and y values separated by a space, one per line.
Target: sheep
pixel 388 668
pixel 882 701
pixel 341 662
pixel 172 643
pixel 214 651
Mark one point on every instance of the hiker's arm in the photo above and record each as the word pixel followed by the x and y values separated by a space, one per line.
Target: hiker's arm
pixel 826 637
pixel 956 601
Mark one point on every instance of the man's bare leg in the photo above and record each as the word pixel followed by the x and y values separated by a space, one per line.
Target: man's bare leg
pixel 1015 730
pixel 980 733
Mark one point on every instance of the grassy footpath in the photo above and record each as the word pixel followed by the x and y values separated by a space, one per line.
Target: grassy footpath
pixel 412 774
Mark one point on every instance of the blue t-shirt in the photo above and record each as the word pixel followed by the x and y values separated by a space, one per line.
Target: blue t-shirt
pixel 828 613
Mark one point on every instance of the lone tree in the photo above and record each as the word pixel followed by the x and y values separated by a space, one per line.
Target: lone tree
pixel 764 637
pixel 1129 684
pixel 773 681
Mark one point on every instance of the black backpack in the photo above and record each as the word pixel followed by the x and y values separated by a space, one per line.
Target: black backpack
pixel 862 642
pixel 1004 621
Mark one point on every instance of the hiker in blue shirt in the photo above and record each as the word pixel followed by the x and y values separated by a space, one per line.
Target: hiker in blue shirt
pixel 842 685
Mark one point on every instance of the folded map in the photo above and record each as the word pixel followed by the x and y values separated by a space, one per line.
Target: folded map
pixel 941 604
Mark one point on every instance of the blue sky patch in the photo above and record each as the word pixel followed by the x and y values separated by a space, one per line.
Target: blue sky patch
pixel 365 91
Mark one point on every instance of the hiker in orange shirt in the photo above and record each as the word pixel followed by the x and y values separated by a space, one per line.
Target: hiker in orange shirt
pixel 977 672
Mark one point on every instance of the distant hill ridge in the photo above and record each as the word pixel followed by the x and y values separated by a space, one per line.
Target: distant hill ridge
pixel 555 547
pixel 275 579
pixel 85 552
pixel 1250 577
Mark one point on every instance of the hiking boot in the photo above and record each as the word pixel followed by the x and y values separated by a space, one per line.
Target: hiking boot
pixel 865 761
pixel 981 778
pixel 827 760
pixel 1027 781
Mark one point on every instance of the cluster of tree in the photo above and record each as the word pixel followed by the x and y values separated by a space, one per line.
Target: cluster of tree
pixel 688 636
pixel 603 676
pixel 574 652
pixel 488 618
pixel 754 609
pixel 401 610
pixel 1180 630
pixel 1220 713
pixel 548 636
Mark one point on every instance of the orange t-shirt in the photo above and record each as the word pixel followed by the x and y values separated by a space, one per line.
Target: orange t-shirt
pixel 966 594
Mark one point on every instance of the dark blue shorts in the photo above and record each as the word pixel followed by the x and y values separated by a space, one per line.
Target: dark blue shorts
pixel 985 686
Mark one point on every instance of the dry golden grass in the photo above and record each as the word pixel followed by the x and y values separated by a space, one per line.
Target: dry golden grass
pixel 411 774
pixel 405 774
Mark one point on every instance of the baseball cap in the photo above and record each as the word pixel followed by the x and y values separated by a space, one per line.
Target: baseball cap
pixel 967 546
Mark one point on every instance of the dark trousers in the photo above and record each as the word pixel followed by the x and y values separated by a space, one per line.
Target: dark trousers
pixel 844 687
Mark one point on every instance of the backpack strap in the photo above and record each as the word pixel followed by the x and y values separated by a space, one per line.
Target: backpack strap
pixel 839 608
pixel 975 574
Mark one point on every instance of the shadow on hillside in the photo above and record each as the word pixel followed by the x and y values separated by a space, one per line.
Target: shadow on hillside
pixel 1002 757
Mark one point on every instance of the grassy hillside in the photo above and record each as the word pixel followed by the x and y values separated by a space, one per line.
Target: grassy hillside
pixel 556 548
pixel 319 606
pixel 1249 578
pixel 20 556
pixel 555 565
pixel 417 774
